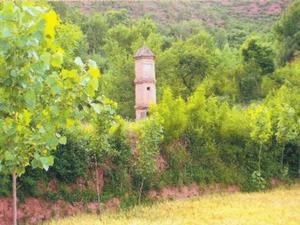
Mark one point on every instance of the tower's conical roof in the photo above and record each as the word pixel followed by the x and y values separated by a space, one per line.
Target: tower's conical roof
pixel 144 52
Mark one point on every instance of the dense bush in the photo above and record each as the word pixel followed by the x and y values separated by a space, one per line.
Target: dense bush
pixel 71 160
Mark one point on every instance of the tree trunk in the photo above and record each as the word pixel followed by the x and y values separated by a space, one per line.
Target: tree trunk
pixel 97 183
pixel 299 164
pixel 259 158
pixel 140 191
pixel 14 186
pixel 282 156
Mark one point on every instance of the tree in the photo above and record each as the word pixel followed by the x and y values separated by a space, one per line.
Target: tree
pixel 172 114
pixel 249 80
pixel 71 39
pixel 39 97
pixel 287 31
pixel 115 17
pixel 261 132
pixel 260 53
pixel 187 63
pixel 148 135
pixel 257 64
pixel 95 29
pixel 285 119
pixel 185 29
pixel 287 127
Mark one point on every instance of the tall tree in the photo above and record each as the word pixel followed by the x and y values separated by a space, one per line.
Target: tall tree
pixel 255 50
pixel 39 97
pixel 187 63
pixel 287 32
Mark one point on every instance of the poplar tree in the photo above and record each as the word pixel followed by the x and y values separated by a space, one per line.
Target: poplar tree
pixel 39 96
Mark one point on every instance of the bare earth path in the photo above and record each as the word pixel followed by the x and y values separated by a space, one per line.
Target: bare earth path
pixel 281 206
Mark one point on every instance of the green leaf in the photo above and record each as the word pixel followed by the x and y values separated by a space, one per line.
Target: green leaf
pixel 96 108
pixel 30 99
pixel 57 59
pixel 51 140
pixel 63 140
pixel 47 162
pixel 35 163
pixel 42 162
pixel 79 62
pixel 8 155
pixel 45 57
pixel 92 64
pixel 5 32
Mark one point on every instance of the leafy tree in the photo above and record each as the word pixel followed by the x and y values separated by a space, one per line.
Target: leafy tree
pixel 118 78
pixel 39 96
pixel 288 75
pixel 148 134
pixel 70 38
pixel 187 63
pixel 261 132
pixel 115 17
pixel 287 127
pixel 288 34
pixel 95 28
pixel 231 68
pixel 249 80
pixel 172 114
pixel 205 115
pixel 184 30
pixel 60 8
pixel 260 53
pixel 285 119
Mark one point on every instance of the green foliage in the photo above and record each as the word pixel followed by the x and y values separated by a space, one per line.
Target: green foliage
pixel 71 160
pixel 261 124
pixel 39 95
pixel 71 39
pixel 149 137
pixel 117 17
pixel 287 33
pixel 95 28
pixel 5 186
pixel 260 53
pixel 178 159
pixel 258 181
pixel 172 114
pixel 187 63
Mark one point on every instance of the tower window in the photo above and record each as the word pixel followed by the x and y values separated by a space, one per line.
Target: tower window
pixel 148 88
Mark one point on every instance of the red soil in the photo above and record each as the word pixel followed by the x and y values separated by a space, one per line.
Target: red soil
pixel 188 191
pixel 34 210
pixel 275 8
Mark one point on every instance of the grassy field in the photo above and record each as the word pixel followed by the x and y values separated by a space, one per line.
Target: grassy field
pixel 281 206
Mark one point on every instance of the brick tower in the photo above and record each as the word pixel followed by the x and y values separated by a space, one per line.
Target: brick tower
pixel 145 90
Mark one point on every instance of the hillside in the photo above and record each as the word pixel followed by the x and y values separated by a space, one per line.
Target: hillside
pixel 258 15
pixel 89 125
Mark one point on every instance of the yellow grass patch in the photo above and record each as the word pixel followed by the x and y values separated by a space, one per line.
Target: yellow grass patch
pixel 281 206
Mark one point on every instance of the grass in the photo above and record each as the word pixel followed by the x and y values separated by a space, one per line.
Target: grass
pixel 280 206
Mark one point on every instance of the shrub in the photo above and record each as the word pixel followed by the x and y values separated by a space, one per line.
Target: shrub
pixel 71 160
